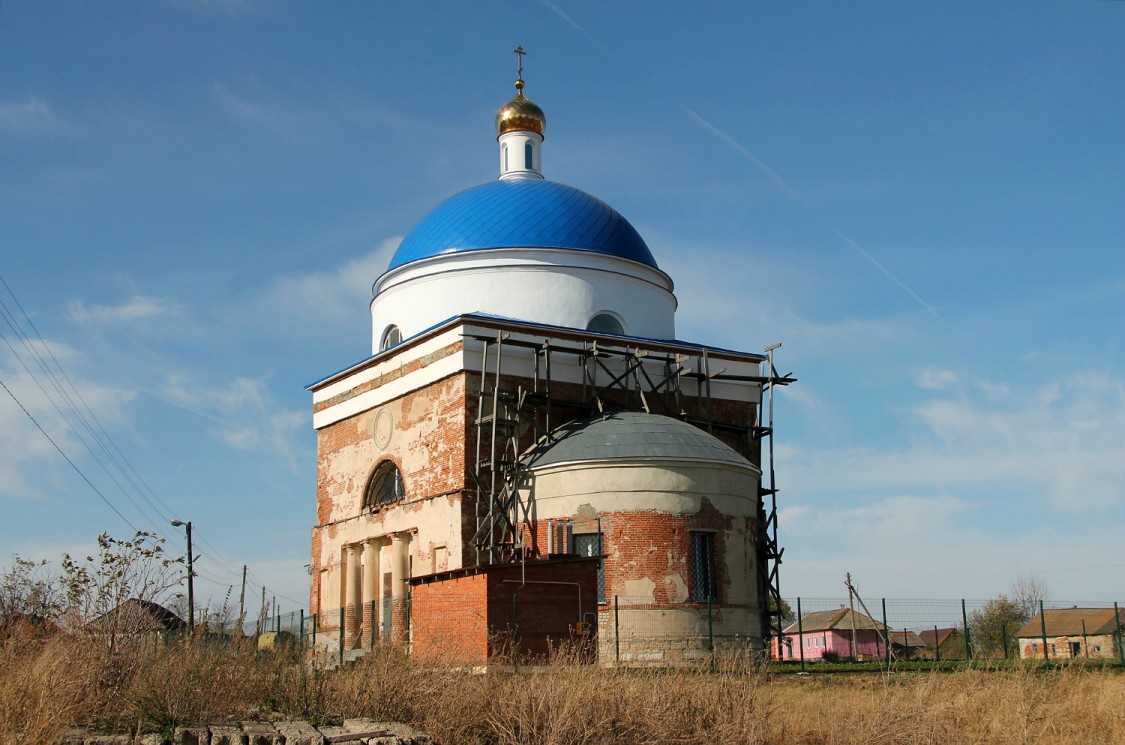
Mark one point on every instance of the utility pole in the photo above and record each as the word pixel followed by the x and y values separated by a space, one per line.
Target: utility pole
pixel 190 576
pixel 851 608
pixel 242 602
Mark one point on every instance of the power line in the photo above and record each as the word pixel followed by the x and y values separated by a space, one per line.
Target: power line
pixel 84 414
pixel 13 323
pixel 68 460
pixel 86 425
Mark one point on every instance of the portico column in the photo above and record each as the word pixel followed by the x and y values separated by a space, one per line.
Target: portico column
pixel 369 614
pixel 351 598
pixel 400 545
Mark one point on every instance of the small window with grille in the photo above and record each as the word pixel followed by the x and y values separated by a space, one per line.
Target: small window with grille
pixel 384 486
pixel 590 544
pixel 704 586
pixel 392 337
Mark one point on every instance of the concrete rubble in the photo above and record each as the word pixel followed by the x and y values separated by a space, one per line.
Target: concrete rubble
pixel 352 732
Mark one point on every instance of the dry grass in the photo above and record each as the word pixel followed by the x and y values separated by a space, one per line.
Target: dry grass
pixel 46 685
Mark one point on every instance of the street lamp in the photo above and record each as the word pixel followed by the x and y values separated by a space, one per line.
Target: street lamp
pixel 190 574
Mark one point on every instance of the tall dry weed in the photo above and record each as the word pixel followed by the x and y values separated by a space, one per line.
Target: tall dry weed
pixel 192 683
pixel 38 691
pixel 46 685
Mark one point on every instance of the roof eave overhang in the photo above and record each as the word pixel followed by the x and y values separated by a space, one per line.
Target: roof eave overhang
pixel 497 323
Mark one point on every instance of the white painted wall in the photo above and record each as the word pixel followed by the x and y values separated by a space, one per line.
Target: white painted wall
pixel 552 286
pixel 515 164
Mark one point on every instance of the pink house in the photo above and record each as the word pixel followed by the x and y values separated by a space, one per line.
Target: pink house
pixel 832 632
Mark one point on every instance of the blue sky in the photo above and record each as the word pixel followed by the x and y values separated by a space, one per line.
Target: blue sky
pixel 924 202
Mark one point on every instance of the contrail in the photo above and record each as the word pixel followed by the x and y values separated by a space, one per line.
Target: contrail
pixel 793 193
pixel 893 278
pixel 740 149
pixel 778 181
pixel 559 12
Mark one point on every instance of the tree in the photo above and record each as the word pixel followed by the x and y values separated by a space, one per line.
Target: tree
pixel 135 567
pixel 994 626
pixel 29 591
pixel 1028 593
pixel 787 616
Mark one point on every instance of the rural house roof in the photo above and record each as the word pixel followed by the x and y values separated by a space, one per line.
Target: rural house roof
pixel 136 616
pixel 942 635
pixel 1068 622
pixel 829 620
pixel 907 639
pixel 841 620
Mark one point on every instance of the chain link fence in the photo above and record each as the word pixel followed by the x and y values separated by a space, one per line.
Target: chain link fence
pixel 836 629
pixel 635 631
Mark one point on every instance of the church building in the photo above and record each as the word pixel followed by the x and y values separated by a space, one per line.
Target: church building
pixel 529 440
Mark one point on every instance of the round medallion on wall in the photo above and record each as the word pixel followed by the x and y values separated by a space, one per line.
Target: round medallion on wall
pixel 382 428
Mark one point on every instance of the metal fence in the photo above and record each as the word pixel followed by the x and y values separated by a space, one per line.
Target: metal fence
pixel 637 631
pixel 831 629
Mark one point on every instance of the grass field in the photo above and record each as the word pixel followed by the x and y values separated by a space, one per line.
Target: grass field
pixel 50 684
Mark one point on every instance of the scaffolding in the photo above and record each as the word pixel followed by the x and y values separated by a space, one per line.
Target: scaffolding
pixel 516 411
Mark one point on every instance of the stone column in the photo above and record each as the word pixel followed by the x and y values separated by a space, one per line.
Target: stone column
pixel 351 595
pixel 400 547
pixel 370 595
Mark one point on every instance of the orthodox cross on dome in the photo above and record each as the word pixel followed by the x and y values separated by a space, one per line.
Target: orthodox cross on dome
pixel 519 65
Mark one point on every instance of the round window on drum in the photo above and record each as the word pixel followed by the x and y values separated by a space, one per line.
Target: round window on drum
pixel 606 323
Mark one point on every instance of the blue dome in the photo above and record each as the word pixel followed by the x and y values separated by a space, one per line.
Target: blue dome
pixel 523 213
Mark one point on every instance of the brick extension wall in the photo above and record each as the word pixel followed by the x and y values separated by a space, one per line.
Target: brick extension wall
pixel 468 616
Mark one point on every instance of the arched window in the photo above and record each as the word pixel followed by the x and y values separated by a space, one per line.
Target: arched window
pixel 392 337
pixel 606 323
pixel 505 158
pixel 384 487
pixel 527 156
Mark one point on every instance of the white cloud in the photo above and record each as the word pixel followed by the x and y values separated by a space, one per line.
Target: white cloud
pixel 1063 443
pixel 978 481
pixel 249 112
pixel 270 432
pixel 246 415
pixel 28 460
pixel 135 308
pixel 214 401
pixel 30 115
pixel 935 379
pixel 329 297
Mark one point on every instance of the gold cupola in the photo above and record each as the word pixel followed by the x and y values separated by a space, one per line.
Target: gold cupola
pixel 519 130
pixel 520 114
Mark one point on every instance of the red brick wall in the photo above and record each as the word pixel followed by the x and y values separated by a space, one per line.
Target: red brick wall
pixel 547 613
pixel 654 545
pixel 431 465
pixel 449 619
pixel 470 618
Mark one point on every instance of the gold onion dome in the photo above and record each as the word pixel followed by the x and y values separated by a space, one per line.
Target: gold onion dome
pixel 520 114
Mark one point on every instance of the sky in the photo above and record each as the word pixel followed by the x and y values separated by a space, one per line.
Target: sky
pixel 923 202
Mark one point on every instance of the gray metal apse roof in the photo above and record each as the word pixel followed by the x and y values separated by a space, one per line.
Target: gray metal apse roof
pixel 629 435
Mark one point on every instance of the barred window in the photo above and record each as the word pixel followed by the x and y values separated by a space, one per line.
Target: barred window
pixel 384 487
pixel 590 544
pixel 704 586
pixel 392 337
